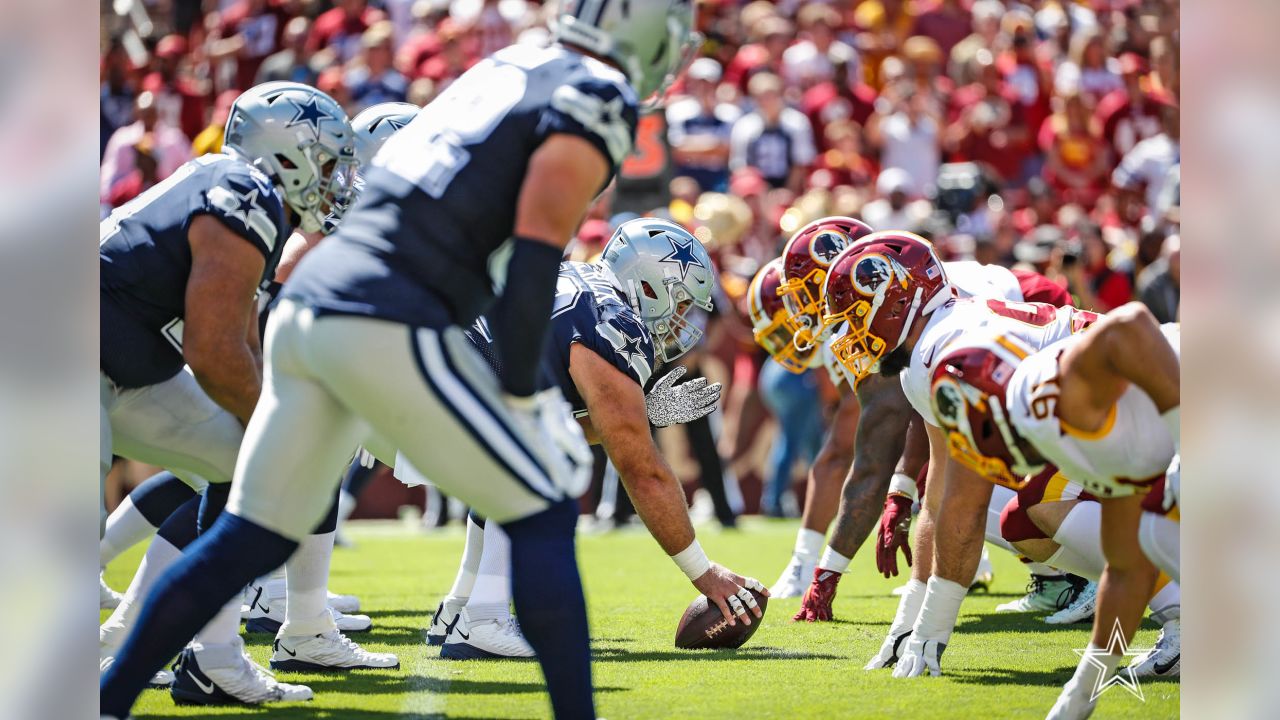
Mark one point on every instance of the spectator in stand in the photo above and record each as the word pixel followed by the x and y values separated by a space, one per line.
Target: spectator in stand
pixel 886 24
pixel 139 179
pixel 117 92
pixel 453 58
pixel 492 29
pixel 372 79
pixel 985 36
pixel 422 91
pixel 897 205
pixel 164 142
pixel 698 128
pixel 1077 159
pixel 1043 251
pixel 249 32
pixel 332 82
pixel 342 27
pixel 422 41
pixel 180 99
pixel 908 133
pixel 1129 115
pixel 210 139
pixel 1028 83
pixel 293 62
pixel 812 59
pixel 987 129
pixel 1147 166
pixel 1087 69
pixel 775 139
pixel 1091 279
pixel 946 22
pixel 1159 284
pixel 845 160
pixel 790 399
pixel 765 56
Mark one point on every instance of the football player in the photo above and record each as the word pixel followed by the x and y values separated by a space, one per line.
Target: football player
pixel 1103 407
pixel 180 356
pixel 613 323
pixel 465 211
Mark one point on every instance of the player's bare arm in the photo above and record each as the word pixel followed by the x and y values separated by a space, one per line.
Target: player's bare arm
pixel 563 178
pixel 617 409
pixel 295 248
pixel 220 317
pixel 831 466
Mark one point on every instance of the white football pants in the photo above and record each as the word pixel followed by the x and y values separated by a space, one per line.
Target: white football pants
pixel 337 381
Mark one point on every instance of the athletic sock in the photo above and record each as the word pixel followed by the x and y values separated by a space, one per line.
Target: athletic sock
pixel 908 607
pixel 160 556
pixel 1039 568
pixel 224 628
pixel 211 572
pixel 1166 603
pixel 307 582
pixel 549 602
pixel 1081 541
pixel 471 554
pixel 141 512
pixel 491 594
pixel 809 544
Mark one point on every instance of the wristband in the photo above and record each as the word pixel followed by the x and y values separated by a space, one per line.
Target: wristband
pixel 1173 421
pixel 692 561
pixel 903 484
pixel 832 560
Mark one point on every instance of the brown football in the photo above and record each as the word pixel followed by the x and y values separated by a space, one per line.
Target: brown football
pixel 704 627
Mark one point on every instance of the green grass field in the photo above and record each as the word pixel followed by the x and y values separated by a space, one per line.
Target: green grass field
pixel 997 666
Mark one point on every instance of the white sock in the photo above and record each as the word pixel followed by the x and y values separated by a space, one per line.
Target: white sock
pixel 1000 496
pixel 1039 568
pixel 1166 604
pixel 307 583
pixel 1081 541
pixel 471 552
pixel 224 628
pixel 346 505
pixel 161 554
pixel 1158 536
pixel 908 607
pixel 939 611
pixel 1086 678
pixel 491 595
pixel 126 527
pixel 832 560
pixel 809 544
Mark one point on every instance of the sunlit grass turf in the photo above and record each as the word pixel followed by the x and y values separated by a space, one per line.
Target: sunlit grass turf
pixel 997 666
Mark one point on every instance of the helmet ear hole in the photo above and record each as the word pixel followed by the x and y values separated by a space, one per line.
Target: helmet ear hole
pixel 649 292
pixel 285 162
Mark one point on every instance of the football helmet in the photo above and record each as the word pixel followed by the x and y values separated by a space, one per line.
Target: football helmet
pixel 664 273
pixel 650 40
pixel 373 125
pixel 301 138
pixel 968 396
pixel 771 322
pixel 880 286
pixel 805 260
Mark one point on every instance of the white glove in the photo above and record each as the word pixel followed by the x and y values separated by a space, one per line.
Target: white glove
pixel 366 458
pixel 1075 703
pixel 668 405
pixel 888 654
pixel 920 655
pixel 556 439
pixel 1172 482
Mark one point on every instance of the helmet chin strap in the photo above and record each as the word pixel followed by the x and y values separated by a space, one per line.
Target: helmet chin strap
pixel 911 317
pixel 1019 460
pixel 945 293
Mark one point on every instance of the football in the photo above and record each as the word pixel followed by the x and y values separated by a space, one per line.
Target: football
pixel 703 626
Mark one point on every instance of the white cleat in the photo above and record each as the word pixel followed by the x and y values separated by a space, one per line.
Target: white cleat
pixel 498 637
pixel 328 651
pixel 161 680
pixel 794 579
pixel 344 603
pixel 108 599
pixel 266 615
pixel 445 617
pixel 1165 659
pixel 985 575
pixel 225 675
pixel 1045 594
pixel 1080 609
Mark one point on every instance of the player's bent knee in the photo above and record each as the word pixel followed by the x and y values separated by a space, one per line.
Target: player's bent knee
pixel 1016 524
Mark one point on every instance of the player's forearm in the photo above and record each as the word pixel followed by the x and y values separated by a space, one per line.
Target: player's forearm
pixel 233 380
pixel 1137 351
pixel 660 503
pixel 860 505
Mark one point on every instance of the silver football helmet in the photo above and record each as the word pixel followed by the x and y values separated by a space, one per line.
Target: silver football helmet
pixel 376 123
pixel 301 138
pixel 651 40
pixel 664 272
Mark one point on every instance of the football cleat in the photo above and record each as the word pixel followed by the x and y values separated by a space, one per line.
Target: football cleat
pixel 225 675
pixel 1046 594
pixel 267 617
pixel 483 639
pixel 794 579
pixel 108 599
pixel 1165 659
pixel 1080 610
pixel 446 616
pixel 344 603
pixel 161 680
pixel 327 651
pixel 985 574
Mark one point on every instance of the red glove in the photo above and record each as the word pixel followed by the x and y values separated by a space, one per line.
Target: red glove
pixel 815 606
pixel 895 532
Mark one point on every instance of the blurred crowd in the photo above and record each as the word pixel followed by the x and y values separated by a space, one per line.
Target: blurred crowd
pixel 1039 133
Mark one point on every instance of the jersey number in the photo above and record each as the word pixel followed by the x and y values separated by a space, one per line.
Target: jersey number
pixel 650 157
pixel 1034 314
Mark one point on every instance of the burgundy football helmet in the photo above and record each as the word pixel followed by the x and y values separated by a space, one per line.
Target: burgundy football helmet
pixel 772 325
pixel 805 260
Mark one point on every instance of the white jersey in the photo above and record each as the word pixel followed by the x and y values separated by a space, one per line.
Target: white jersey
pixel 1034 324
pixel 973 279
pixel 1131 450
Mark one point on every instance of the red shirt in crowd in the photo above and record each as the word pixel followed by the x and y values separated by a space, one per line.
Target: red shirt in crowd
pixel 334 28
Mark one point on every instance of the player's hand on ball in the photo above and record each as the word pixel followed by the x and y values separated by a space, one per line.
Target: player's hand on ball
pixel 815 606
pixel 888 654
pixel 920 656
pixel 730 593
pixel 895 532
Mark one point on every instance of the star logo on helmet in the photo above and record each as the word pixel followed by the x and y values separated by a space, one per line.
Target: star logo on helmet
pixel 682 253
pixel 395 123
pixel 309 113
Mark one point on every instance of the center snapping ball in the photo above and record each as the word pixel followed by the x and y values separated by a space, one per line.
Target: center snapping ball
pixel 703 626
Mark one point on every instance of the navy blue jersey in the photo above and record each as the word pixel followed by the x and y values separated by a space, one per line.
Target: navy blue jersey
pixel 588 312
pixel 145 259
pixel 423 243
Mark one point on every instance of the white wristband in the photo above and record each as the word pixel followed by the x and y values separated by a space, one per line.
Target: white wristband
pixel 903 484
pixel 692 561
pixel 1173 421
pixel 832 560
